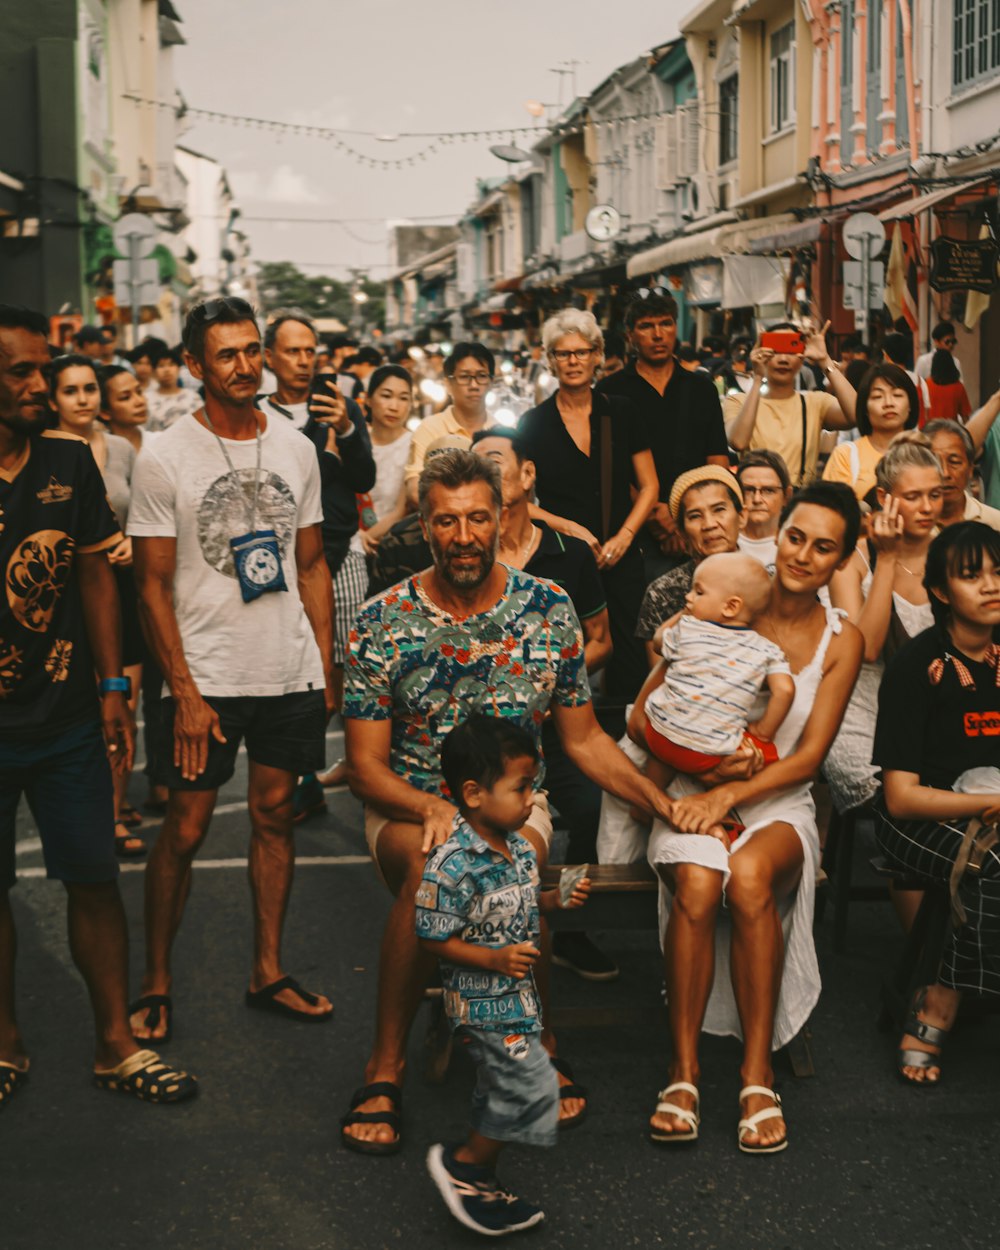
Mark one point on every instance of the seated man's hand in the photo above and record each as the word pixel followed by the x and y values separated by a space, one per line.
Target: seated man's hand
pixel 516 961
pixel 703 814
pixel 437 825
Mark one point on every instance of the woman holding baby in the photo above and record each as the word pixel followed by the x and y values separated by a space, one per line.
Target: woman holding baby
pixel 763 982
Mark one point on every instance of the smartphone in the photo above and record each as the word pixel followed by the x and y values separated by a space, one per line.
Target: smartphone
pixel 783 342
pixel 569 879
pixel 324 384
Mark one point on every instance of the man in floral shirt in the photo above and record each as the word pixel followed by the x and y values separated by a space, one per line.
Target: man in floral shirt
pixel 468 634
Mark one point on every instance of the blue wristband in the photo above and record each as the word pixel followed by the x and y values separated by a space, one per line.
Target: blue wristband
pixel 116 685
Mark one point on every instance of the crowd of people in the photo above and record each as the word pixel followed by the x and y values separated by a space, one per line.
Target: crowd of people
pixel 757 565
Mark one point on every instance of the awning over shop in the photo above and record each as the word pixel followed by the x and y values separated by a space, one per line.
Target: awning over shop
pixel 909 208
pixel 799 235
pixel 736 237
pixel 679 251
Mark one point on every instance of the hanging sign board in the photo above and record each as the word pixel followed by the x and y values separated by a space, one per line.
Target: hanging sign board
pixel 964 265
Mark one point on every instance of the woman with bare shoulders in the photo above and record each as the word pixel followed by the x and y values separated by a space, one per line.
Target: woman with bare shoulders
pixel 881 590
pixel 768 980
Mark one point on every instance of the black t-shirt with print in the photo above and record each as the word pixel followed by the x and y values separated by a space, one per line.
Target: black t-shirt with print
pixel 52 506
pixel 937 731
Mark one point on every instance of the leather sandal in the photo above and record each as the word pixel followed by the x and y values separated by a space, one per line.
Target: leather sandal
pixel 572 1090
pixel 923 1032
pixel 750 1123
pixel 691 1117
pixel 392 1119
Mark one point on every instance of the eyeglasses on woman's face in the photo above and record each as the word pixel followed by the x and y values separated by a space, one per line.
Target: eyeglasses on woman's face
pixel 575 353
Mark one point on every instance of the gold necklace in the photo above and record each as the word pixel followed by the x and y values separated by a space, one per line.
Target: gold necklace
pixel 906 570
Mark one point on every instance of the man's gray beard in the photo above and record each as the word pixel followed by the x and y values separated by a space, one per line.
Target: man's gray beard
pixel 466 579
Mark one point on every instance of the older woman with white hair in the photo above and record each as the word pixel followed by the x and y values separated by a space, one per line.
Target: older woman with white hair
pixel 595 479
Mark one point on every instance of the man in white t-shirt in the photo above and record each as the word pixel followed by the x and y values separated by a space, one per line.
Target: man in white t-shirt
pixel 236 601
pixel 943 338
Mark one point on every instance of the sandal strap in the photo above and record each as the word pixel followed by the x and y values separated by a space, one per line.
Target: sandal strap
pixel 747 1090
pixel 683 1087
pixel 917 1059
pixel 689 1117
pixel 377 1089
pixel 749 1125
pixel 924 1032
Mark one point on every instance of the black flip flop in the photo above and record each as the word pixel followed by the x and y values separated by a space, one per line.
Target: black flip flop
pixel 569 1091
pixel 122 848
pixel 265 1000
pixel 153 1004
pixel 378 1089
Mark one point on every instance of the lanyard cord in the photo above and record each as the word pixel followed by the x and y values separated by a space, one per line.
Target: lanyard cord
pixel 251 513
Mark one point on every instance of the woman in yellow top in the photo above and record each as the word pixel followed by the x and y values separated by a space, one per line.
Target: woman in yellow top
pixel 887 403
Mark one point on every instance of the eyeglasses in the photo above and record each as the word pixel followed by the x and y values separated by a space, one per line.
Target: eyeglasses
pixel 766 491
pixel 949 342
pixel 467 379
pixel 579 353
pixel 213 309
pixel 647 292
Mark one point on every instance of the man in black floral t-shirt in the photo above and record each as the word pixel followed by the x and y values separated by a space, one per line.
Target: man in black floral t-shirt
pixel 59 628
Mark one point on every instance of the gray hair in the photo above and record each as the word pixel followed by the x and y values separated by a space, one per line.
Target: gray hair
pixel 942 426
pixel 572 321
pixel 452 469
pixel 910 449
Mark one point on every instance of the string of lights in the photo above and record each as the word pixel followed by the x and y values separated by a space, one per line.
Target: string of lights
pixel 338 136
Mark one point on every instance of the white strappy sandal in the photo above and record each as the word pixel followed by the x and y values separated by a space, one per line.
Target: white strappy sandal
pixel 665 1107
pixel 750 1124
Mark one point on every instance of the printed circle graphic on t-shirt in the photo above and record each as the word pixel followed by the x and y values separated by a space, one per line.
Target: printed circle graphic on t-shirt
pixel 37 573
pixel 223 515
pixel 261 567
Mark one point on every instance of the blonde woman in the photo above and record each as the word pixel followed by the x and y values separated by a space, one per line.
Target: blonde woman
pixel 589 450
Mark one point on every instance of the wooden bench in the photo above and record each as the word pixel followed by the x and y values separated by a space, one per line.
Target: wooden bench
pixel 622 897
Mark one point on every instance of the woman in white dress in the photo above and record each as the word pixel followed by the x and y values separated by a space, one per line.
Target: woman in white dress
pixel 882 592
pixel 763 982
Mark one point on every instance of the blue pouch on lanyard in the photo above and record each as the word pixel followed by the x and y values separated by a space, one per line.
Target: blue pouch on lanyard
pixel 257 558
pixel 256 554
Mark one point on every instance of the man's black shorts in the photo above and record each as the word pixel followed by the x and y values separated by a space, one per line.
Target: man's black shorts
pixel 67 782
pixel 286 731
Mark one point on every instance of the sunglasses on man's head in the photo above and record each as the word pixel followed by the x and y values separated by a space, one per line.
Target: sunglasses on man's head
pixel 647 292
pixel 213 309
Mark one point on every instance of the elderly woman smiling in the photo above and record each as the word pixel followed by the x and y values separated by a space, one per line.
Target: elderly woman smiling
pixel 706 504
pixel 595 478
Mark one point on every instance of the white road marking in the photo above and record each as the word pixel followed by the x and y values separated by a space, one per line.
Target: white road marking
pixel 302 861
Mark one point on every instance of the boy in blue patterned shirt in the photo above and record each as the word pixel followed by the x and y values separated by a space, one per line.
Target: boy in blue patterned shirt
pixel 478 912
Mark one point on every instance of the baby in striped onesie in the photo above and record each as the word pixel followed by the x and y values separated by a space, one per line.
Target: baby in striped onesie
pixel 716 666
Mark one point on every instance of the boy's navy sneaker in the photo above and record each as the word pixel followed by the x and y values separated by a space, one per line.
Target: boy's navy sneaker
pixel 475 1197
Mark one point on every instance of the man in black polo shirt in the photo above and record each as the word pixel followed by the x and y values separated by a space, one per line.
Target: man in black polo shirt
pixel 570 563
pixel 680 411
pixel 60 630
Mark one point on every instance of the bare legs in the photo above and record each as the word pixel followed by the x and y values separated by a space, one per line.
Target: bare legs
pixel 689 966
pixel 271 860
pixel 98 939
pixel 764 871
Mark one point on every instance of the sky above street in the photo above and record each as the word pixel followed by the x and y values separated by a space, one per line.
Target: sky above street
pixel 385 66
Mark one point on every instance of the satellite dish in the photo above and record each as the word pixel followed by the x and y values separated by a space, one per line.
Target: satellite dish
pixel 507 152
pixel 603 222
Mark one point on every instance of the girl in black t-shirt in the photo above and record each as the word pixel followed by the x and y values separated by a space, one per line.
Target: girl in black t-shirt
pixel 939 716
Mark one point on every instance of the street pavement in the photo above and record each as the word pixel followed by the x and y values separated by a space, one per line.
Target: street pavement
pixel 255 1160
